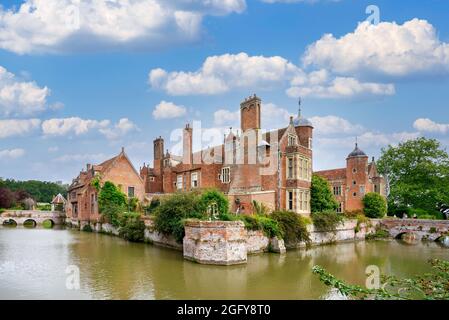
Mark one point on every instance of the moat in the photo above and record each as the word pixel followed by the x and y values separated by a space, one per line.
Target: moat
pixel 33 265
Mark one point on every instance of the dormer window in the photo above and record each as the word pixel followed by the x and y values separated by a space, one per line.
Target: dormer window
pixel 291 140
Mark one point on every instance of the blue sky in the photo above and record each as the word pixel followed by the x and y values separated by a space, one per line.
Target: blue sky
pixel 128 71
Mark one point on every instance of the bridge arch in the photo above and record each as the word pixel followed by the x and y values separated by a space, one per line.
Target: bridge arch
pixel 9 223
pixel 48 224
pixel 407 236
pixel 30 223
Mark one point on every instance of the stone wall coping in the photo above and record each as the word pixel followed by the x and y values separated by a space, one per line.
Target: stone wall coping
pixel 214 224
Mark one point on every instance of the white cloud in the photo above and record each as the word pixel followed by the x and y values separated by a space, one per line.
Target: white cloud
pixel 388 48
pixel 334 125
pixel 368 139
pixel 13 127
pixel 427 125
pixel 20 97
pixel 219 74
pixel 341 87
pixel 74 125
pixel 53 149
pixel 11 154
pixel 168 110
pixel 226 117
pixel 120 129
pixel 71 25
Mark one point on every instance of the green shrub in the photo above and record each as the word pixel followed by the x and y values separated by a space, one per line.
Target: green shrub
pixel 269 226
pixel 40 207
pixel 327 221
pixel 211 198
pixel 87 228
pixel 2 210
pixel 110 195
pixel 427 217
pixel 133 204
pixel 173 210
pixel 379 234
pixel 292 226
pixel 154 204
pixel 260 208
pixel 375 205
pixel 132 228
pixel 111 203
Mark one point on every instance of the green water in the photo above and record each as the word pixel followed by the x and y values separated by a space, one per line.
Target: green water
pixel 33 265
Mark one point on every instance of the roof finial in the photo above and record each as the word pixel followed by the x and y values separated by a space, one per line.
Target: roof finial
pixel 299 107
pixel 356 142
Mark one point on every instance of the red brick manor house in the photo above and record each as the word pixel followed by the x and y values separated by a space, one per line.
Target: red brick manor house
pixel 273 168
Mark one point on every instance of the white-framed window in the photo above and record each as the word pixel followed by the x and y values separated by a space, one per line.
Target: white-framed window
pixel 179 182
pixel 291 140
pixel 290 200
pixel 194 180
pixel 304 168
pixel 151 179
pixel 130 192
pixel 310 143
pixel 337 190
pixel 340 208
pixel 290 168
pixel 225 176
pixel 301 200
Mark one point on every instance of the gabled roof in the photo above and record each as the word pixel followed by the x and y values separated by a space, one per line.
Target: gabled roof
pixel 59 199
pixel 334 174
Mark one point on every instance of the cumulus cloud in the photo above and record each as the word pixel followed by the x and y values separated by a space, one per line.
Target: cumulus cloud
pixel 427 125
pixel 70 25
pixel 168 110
pixel 339 87
pixel 18 98
pixel 389 49
pixel 11 154
pixel 220 74
pixel 121 128
pixel 14 127
pixel 334 125
pixel 74 125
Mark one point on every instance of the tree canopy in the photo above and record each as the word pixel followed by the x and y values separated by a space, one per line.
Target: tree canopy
pixel 322 199
pixel 418 174
pixel 41 191
pixel 375 205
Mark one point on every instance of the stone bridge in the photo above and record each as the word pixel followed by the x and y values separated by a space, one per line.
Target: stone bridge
pixel 34 217
pixel 431 230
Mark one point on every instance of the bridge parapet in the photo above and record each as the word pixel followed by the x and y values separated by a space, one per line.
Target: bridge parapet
pixel 20 216
pixel 423 229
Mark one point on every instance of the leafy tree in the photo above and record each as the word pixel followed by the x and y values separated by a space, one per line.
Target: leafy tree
pixel 173 210
pixel 327 221
pixel 111 202
pixel 292 226
pixel 110 195
pixel 213 197
pixel 132 228
pixel 418 174
pixel 428 286
pixel 375 205
pixel 39 190
pixel 7 198
pixel 322 198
